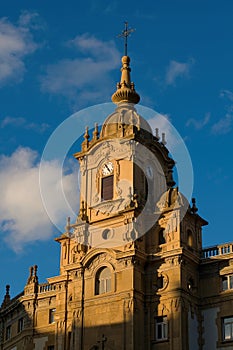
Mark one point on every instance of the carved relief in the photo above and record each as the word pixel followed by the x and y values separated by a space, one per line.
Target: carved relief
pixel 162 282
pixel 78 252
pixel 81 234
pixel 108 207
pixel 82 162
pixel 99 260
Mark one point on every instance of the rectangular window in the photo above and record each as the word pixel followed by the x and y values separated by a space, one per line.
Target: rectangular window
pixel 227 324
pixel 107 188
pixel 105 285
pixel 227 282
pixel 20 324
pixel 161 328
pixel 51 347
pixel 8 332
pixel 51 315
pixel 231 282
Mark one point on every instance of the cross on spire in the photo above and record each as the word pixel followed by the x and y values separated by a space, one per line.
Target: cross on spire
pixel 124 34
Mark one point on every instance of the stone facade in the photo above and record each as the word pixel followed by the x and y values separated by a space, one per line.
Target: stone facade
pixel 133 272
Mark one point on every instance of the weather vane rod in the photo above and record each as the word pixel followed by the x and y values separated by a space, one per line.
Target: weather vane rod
pixel 125 33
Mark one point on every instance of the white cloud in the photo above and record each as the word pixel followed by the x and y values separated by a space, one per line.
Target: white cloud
pixel 176 70
pixel 224 125
pixel 105 7
pixel 22 123
pixel 88 74
pixel 16 42
pixel 31 20
pixel 23 218
pixel 228 94
pixel 199 124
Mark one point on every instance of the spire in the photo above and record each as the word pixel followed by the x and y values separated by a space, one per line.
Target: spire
pixel 125 89
pixel 7 297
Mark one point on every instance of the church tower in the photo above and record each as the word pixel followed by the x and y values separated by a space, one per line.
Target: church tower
pixel 130 261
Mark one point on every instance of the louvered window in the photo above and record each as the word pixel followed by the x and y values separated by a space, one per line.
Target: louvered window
pixel 107 188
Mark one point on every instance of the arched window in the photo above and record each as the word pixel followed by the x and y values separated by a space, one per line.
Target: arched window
pixel 190 238
pixel 103 281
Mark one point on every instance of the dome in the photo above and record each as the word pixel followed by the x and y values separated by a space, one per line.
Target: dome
pixel 125 120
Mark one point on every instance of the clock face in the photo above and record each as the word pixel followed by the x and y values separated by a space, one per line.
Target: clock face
pixel 107 169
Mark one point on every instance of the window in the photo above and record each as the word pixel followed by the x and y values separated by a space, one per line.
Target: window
pixel 51 315
pixel 8 332
pixel 160 282
pixel 103 281
pixel 227 324
pixel 161 328
pixel 162 236
pixel 227 282
pixel 190 238
pixel 106 234
pixel 51 347
pixel 20 324
pixel 107 188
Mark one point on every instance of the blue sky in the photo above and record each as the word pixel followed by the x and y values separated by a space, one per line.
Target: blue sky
pixel 58 58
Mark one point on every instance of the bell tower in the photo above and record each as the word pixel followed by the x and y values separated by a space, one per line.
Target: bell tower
pixel 123 169
pixel 131 257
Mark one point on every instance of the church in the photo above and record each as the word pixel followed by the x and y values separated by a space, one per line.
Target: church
pixel 133 272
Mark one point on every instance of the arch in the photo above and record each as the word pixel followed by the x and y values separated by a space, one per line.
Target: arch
pixel 94 253
pixel 103 280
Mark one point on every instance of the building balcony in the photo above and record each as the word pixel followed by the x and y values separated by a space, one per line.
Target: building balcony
pixel 46 287
pixel 217 250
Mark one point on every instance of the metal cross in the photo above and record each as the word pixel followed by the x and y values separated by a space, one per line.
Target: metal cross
pixel 125 33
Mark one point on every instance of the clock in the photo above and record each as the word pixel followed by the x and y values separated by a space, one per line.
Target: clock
pixel 107 169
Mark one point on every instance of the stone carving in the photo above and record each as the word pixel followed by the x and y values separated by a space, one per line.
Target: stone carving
pixel 108 207
pixel 83 165
pixel 78 252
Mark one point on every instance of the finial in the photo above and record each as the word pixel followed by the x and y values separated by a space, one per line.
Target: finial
pixel 7 289
pixel 30 271
pixel 124 34
pixel 86 135
pixel 7 297
pixel 194 208
pixel 96 132
pixel 125 88
pixel 68 224
pixel 163 139
pixel 30 278
pixel 35 270
pixel 157 133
